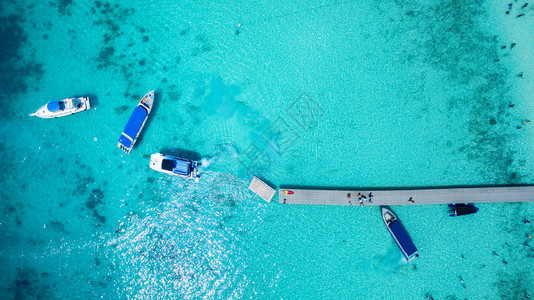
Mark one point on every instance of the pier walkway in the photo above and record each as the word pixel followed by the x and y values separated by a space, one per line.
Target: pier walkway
pixel 261 189
pixel 408 197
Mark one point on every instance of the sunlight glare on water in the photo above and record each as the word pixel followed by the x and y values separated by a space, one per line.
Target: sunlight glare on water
pixel 330 94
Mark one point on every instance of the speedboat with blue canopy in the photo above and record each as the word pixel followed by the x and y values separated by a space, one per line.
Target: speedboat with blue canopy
pixel 61 108
pixel 173 165
pixel 401 236
pixel 136 122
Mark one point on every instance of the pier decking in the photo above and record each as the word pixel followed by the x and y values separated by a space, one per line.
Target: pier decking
pixel 261 189
pixel 407 197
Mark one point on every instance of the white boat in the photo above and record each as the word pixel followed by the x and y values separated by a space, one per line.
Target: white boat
pixel 136 123
pixel 61 108
pixel 173 165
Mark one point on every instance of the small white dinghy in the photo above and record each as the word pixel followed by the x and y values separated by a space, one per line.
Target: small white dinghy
pixel 61 108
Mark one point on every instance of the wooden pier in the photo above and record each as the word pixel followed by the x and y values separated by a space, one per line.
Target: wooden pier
pixel 406 196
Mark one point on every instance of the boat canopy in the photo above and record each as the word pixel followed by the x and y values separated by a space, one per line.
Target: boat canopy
pixel 404 240
pixel 136 121
pixel 167 164
pixel 177 166
pixel 182 167
pixel 126 142
pixel 52 106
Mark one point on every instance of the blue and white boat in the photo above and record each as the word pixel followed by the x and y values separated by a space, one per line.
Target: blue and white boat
pixel 61 108
pixel 401 236
pixel 173 165
pixel 136 123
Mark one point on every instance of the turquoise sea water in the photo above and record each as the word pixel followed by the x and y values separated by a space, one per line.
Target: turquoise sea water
pixel 334 94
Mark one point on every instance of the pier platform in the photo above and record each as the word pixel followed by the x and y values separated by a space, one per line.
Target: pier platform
pixel 406 196
pixel 261 189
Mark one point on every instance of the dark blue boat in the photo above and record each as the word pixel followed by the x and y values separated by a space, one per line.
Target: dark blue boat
pixel 401 236
pixel 136 122
pixel 462 209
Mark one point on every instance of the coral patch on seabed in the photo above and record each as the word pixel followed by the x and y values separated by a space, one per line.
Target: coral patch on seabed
pixel 16 67
pixel 469 56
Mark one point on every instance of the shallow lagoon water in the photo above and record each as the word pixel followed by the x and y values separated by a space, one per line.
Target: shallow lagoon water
pixel 318 94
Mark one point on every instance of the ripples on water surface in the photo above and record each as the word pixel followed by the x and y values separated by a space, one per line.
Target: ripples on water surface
pixel 320 94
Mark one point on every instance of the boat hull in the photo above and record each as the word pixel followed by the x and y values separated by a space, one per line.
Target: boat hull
pixel 136 123
pixel 61 108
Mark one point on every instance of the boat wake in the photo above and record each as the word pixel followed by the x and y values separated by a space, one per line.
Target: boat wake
pixel 205 162
pixel 390 263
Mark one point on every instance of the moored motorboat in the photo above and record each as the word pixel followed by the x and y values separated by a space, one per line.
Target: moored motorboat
pixel 461 209
pixel 173 165
pixel 287 192
pixel 61 108
pixel 399 233
pixel 136 122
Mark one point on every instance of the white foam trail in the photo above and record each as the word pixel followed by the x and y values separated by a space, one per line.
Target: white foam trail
pixel 207 161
